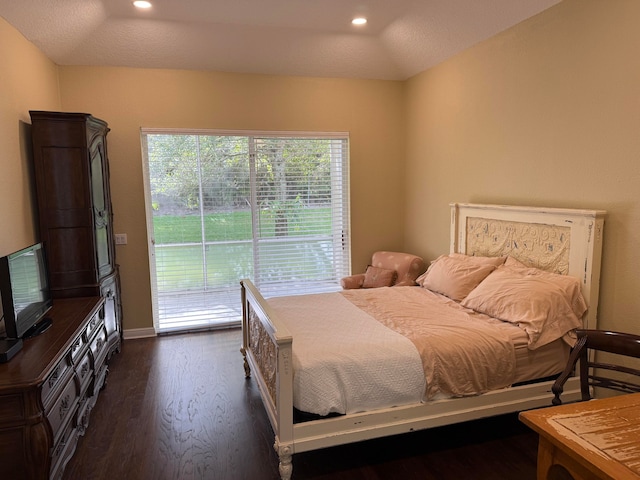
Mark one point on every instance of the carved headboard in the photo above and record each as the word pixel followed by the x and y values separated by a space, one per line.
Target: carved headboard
pixel 564 241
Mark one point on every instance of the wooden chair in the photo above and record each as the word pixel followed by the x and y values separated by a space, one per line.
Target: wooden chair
pixel 596 373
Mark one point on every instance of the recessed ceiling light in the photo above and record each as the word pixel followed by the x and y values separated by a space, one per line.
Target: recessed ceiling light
pixel 359 21
pixel 142 4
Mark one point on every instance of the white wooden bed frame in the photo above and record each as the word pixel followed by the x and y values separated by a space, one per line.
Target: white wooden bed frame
pixel 566 241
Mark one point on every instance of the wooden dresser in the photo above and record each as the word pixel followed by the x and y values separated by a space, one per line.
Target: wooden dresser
pixel 48 389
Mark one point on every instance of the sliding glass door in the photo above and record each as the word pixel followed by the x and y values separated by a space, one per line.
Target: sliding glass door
pixel 223 207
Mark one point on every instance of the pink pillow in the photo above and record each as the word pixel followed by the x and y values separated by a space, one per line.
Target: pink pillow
pixel 455 274
pixel 570 285
pixel 378 277
pixel 545 305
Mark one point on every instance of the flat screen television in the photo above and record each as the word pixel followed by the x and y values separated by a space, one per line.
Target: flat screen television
pixel 24 288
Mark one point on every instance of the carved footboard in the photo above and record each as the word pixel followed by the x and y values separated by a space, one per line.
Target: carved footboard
pixel 266 347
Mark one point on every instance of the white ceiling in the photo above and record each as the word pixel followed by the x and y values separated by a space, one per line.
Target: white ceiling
pixel 281 37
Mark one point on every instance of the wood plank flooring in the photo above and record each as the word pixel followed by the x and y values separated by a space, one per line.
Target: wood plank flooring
pixel 178 408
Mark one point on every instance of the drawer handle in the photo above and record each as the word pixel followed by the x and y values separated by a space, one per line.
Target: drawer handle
pixel 76 344
pixel 84 370
pixel 99 344
pixel 64 406
pixel 54 377
pixel 59 448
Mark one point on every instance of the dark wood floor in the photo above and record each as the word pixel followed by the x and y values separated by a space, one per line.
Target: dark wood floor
pixel 179 407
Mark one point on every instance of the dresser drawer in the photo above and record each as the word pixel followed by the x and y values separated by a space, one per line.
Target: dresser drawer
pixel 83 372
pixel 95 322
pixel 63 450
pixel 56 380
pixel 78 347
pixel 100 378
pixel 98 348
pixel 62 410
pixel 82 417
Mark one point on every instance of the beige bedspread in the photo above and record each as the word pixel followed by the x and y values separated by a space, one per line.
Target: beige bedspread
pixel 461 354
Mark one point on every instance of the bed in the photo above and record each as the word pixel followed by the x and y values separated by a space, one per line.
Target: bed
pixel 563 242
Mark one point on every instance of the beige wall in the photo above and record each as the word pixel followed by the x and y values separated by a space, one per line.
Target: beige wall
pixel 128 99
pixel 28 81
pixel 547 114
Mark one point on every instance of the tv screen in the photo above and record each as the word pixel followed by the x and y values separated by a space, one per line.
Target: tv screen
pixel 24 287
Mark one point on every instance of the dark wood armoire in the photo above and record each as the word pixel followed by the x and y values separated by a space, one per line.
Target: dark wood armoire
pixel 71 170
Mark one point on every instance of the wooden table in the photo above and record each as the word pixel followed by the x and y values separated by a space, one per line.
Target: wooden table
pixel 598 439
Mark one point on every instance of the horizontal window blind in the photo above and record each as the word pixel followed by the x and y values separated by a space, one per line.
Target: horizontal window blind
pixel 301 214
pixel 270 207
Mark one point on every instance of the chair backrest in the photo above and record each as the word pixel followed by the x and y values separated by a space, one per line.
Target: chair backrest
pixel 408 267
pixel 595 373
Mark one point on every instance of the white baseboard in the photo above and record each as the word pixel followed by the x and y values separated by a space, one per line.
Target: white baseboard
pixel 133 333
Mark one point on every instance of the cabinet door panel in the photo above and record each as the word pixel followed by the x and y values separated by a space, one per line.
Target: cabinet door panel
pixel 101 208
pixel 75 239
pixel 63 185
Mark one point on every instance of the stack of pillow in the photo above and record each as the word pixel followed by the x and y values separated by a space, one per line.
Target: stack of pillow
pixel 545 305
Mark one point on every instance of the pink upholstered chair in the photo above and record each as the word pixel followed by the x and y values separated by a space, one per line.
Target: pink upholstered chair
pixel 387 269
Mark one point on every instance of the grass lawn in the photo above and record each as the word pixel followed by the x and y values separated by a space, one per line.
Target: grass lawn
pixel 181 263
pixel 236 225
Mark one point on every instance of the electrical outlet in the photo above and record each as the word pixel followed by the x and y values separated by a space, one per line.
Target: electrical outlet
pixel 121 238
